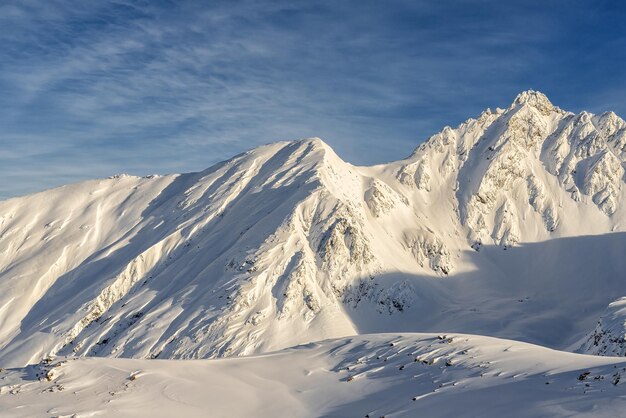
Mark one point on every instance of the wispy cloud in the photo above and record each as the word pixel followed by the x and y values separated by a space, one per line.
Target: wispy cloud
pixel 90 88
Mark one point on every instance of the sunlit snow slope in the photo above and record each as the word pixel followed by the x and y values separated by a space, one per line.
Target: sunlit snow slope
pixel 381 375
pixel 511 225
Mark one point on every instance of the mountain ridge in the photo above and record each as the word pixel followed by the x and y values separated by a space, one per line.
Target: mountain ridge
pixel 287 243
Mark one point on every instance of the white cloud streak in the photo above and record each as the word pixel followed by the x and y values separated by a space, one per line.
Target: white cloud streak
pixel 98 87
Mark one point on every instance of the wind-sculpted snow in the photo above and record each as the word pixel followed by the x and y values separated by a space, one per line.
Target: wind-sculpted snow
pixel 399 375
pixel 287 244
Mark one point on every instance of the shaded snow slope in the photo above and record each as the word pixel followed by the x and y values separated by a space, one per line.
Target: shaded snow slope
pixel 510 225
pixel 399 375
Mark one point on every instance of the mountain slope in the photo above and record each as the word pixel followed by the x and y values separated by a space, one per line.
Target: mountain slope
pixel 609 336
pixel 395 375
pixel 287 244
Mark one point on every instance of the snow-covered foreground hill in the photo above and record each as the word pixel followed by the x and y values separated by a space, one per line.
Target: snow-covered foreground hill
pixel 376 375
pixel 512 225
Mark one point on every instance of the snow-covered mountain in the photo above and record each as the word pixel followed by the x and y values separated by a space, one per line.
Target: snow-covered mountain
pixel 511 225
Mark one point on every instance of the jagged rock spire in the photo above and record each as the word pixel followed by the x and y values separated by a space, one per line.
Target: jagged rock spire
pixel 534 99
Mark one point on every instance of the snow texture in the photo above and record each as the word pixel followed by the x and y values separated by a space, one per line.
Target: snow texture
pixel 510 225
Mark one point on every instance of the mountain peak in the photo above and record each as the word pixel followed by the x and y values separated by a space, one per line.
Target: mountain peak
pixel 535 99
pixel 313 142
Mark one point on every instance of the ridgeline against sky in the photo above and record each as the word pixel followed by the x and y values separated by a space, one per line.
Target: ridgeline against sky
pixel 94 88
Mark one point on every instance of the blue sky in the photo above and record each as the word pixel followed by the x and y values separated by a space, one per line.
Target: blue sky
pixel 92 88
